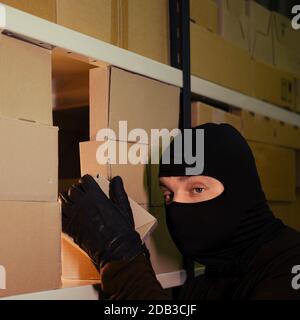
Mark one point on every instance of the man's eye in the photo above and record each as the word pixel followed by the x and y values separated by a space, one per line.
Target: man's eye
pixel 198 190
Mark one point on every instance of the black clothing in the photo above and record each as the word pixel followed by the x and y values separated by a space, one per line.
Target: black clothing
pixel 248 253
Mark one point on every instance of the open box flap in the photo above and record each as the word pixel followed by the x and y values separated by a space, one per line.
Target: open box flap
pixel 145 223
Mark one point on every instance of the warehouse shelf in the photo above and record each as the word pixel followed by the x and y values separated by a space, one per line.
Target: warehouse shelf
pixel 70 290
pixel 99 53
pixel 233 98
pixel 94 51
pixel 67 44
pixel 87 289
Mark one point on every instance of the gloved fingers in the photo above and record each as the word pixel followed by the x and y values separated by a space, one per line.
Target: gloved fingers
pixel 119 196
pixel 75 192
pixel 88 184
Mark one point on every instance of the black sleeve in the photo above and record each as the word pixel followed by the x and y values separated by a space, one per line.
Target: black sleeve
pixel 131 280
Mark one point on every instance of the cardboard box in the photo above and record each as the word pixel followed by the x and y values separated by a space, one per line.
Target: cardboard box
pixel 75 262
pixel 285 212
pixel 45 9
pixel 297 94
pixel 135 177
pixel 117 95
pixel 256 127
pixel 97 18
pixel 288 212
pixel 283 33
pixel 29 247
pixel 25 81
pixel 260 32
pixel 273 85
pixel 287 135
pixel 298 170
pixel 164 255
pixel 233 24
pixel 205 14
pixel 144 28
pixel 156 195
pixel 286 45
pixel 29 161
pixel 216 60
pixel 296 211
pixel 277 170
pixel 203 113
pixel 286 59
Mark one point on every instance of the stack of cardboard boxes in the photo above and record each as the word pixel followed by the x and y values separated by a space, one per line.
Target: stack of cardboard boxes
pixel 241 45
pixel 118 95
pixel 30 223
pixel 212 56
pixel 141 26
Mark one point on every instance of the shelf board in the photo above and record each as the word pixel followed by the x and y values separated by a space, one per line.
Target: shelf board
pixel 94 51
pixel 236 99
pixel 70 290
pixel 86 290
pixel 99 53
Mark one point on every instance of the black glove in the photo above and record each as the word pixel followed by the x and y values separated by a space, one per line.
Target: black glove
pixel 119 196
pixel 104 229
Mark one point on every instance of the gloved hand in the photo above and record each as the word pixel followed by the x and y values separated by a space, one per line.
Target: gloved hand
pixel 103 228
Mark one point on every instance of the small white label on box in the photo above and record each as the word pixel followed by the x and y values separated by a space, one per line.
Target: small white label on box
pixel 2 278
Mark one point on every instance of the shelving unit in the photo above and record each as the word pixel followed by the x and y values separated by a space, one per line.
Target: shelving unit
pixel 233 98
pixel 95 52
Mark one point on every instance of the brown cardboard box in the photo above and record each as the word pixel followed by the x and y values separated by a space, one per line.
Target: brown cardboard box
pixel 203 113
pixel 70 79
pixel 135 177
pixel 298 170
pixel 256 127
pixel 117 95
pixel 277 170
pixel 224 69
pixel 29 161
pixel 144 28
pixel 286 58
pixel 75 262
pixel 287 135
pixel 285 44
pixel 284 33
pixel 233 24
pixel 288 212
pixel 273 85
pixel 285 212
pixel 296 210
pixel 96 18
pixel 156 196
pixel 71 91
pixel 25 81
pixel 297 94
pixel 164 255
pixel 260 32
pixel 205 14
pixel 29 247
pixel 45 9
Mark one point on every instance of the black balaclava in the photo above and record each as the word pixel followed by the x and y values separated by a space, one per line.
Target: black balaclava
pixel 225 232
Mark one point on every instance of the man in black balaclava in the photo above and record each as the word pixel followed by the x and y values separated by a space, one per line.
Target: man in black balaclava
pixel 219 218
